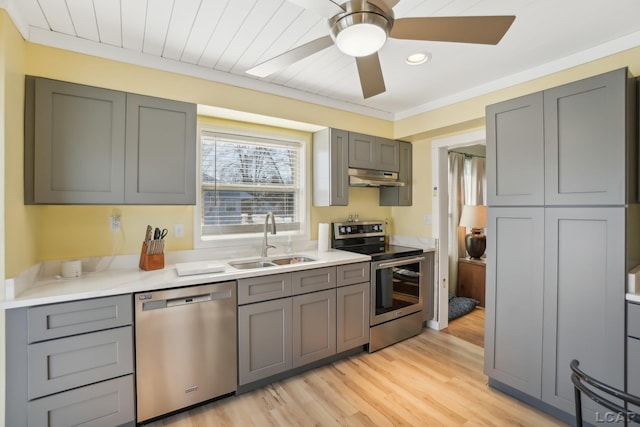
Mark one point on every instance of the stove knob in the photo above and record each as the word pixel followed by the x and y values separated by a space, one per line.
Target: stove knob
pixel 342 230
pixel 348 229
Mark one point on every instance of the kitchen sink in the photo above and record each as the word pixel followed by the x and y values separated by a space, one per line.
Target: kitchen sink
pixel 291 260
pixel 246 265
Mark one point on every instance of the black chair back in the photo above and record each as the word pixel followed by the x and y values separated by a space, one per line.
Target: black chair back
pixel 601 393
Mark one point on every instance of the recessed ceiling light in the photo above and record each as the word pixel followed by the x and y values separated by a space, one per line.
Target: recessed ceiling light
pixel 418 58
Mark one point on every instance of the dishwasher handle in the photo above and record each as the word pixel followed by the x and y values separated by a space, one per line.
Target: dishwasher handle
pixel 191 299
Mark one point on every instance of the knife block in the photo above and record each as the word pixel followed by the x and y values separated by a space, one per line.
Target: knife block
pixel 150 262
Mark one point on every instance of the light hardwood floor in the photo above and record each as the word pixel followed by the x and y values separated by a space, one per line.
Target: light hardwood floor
pixel 469 327
pixel 433 379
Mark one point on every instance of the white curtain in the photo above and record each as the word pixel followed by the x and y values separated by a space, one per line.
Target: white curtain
pixel 467 186
pixel 456 201
pixel 476 186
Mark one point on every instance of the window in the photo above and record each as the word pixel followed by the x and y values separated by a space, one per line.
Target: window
pixel 242 178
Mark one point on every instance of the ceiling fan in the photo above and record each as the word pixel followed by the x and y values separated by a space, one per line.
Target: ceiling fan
pixel 359 28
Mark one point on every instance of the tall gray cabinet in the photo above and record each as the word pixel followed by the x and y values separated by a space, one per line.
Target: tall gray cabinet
pixel 561 183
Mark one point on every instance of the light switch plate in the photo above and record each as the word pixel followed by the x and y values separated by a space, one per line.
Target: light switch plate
pixel 178 230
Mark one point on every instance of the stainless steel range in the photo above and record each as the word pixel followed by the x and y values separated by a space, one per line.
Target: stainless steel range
pixel 397 281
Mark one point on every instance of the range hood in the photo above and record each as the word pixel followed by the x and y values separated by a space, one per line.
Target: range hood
pixel 373 178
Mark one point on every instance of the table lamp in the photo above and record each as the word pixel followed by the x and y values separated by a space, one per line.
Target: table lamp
pixel 474 217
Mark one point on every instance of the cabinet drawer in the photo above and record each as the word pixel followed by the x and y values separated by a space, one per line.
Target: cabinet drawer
pixel 70 318
pixel 313 280
pixel 633 320
pixel 350 274
pixel 633 368
pixel 109 403
pixel 264 288
pixel 71 362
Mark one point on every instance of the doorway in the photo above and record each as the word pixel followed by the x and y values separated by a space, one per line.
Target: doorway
pixel 440 214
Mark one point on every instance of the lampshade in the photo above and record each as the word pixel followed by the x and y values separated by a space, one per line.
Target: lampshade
pixel 360 34
pixel 473 216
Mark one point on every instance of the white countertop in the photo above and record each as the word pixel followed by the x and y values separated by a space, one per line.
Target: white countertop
pixel 131 280
pixel 633 297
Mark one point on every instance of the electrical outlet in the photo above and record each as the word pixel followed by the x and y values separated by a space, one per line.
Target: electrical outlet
pixel 115 223
pixel 178 230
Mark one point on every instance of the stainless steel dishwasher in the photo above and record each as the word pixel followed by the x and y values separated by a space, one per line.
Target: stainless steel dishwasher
pixel 185 347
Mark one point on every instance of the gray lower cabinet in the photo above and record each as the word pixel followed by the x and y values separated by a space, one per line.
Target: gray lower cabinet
pixel 555 292
pixel 290 320
pixel 352 316
pixel 71 364
pixel 401 196
pixel 88 145
pixel 584 300
pixel 330 168
pixel 314 326
pixel 514 297
pixel 264 339
pixel 104 404
pixel 633 349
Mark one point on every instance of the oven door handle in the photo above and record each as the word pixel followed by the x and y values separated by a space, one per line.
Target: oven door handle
pixel 401 262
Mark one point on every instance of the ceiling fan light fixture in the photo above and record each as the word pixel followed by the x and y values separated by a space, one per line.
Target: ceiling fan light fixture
pixel 361 33
pixel 361 39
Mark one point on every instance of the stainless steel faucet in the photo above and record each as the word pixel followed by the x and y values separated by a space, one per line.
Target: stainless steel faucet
pixel 265 243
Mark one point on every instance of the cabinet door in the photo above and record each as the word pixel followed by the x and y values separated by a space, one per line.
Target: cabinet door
pixel 514 311
pixel 65 363
pixel 633 370
pixel 314 327
pixel 584 301
pixel 586 141
pixel 362 151
pixel 515 152
pixel 387 155
pixel 330 168
pixel 352 316
pixel 109 403
pixel 264 339
pixel 78 144
pixel 401 196
pixel 161 151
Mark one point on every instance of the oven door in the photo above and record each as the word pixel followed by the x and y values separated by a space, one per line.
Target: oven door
pixel 396 288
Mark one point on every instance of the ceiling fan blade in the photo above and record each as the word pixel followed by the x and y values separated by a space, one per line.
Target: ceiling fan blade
pixel 326 8
pixel 460 29
pixel 370 73
pixel 290 57
pixel 385 5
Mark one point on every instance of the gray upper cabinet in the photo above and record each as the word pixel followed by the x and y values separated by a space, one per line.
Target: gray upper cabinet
pixel 161 151
pixel 330 168
pixel 515 152
pixel 569 145
pixel 78 143
pixel 87 145
pixel 371 152
pixel 589 150
pixel 401 196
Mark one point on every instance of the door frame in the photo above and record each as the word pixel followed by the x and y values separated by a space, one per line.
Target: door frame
pixel 440 209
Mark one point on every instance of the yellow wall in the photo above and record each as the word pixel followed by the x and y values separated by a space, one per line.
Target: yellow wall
pixel 19 239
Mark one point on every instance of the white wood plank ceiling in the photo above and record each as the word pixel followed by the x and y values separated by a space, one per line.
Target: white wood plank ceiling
pixel 220 39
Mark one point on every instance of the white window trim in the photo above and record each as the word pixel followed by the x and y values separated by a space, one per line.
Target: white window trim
pixel 305 185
